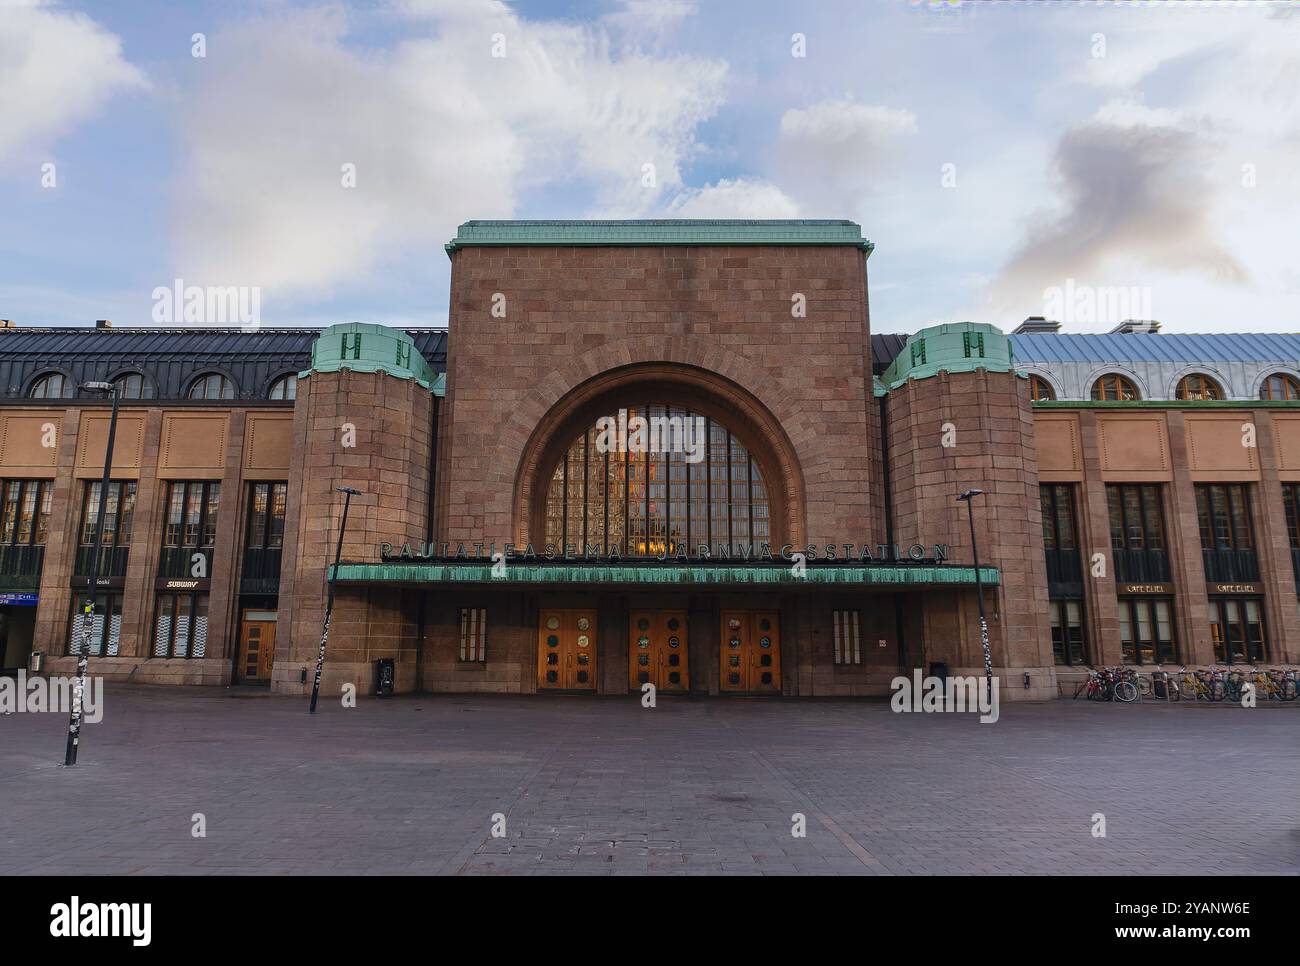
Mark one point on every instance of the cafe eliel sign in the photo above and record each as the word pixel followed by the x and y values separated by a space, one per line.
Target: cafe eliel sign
pixel 854 553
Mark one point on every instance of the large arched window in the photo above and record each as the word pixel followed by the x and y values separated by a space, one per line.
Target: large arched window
pixel 132 385
pixel 1280 385
pixel 286 387
pixel 1040 390
pixel 213 385
pixel 687 482
pixel 52 385
pixel 1197 385
pixel 1114 387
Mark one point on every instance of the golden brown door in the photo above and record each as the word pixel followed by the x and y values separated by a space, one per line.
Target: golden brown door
pixel 751 651
pixel 657 645
pixel 566 650
pixel 256 645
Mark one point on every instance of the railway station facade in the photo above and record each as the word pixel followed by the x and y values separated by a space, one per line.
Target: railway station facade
pixel 796 534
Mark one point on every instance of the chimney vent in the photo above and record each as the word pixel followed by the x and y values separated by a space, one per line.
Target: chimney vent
pixel 8 324
pixel 1137 327
pixel 103 324
pixel 1036 324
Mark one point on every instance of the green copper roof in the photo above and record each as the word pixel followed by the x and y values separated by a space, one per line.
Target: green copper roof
pixel 690 574
pixel 675 231
pixel 363 347
pixel 954 347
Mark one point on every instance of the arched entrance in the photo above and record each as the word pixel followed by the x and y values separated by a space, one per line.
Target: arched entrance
pixel 662 463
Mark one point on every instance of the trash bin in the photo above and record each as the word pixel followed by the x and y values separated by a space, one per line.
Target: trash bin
pixel 385 671
pixel 36 662
pixel 1159 685
pixel 939 669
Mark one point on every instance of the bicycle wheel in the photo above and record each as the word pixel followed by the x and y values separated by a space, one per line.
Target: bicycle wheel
pixel 1125 691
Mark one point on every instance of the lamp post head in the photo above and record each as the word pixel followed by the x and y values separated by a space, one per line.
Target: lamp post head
pixel 969 494
pixel 97 386
pixel 348 490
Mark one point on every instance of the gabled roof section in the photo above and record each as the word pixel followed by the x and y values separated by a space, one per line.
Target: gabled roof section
pixel 666 231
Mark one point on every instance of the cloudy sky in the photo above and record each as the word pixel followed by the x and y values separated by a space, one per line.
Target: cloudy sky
pixel 998 154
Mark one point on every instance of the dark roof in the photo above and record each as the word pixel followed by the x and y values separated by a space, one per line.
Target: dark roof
pixel 172 358
pixel 883 350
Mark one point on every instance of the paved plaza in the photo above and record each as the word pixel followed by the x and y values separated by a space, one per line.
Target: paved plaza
pixel 414 785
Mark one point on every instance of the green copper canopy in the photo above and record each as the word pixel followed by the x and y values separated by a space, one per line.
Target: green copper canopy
pixel 363 347
pixel 659 574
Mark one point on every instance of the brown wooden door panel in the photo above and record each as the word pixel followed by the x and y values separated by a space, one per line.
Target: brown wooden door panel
pixel 256 649
pixel 566 650
pixel 750 651
pixel 657 650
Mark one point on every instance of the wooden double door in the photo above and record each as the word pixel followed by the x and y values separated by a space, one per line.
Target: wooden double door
pixel 751 651
pixel 658 653
pixel 566 650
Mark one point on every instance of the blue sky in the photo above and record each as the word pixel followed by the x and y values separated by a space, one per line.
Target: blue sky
pixel 998 154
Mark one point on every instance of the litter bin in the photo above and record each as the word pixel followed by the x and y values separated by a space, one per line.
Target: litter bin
pixel 385 670
pixel 36 662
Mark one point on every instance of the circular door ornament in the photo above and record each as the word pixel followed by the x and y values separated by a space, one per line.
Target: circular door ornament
pixel 765 624
pixel 734 642
pixel 674 642
pixel 643 641
pixel 583 623
pixel 643 625
pixel 583 640
pixel 673 623
pixel 552 641
pixel 733 625
pixel 765 642
pixel 552 623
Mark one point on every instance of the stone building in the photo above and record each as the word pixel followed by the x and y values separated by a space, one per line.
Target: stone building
pixel 665 452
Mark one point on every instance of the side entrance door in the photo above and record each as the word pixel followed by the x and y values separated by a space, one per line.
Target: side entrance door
pixel 256 646
pixel 751 651
pixel 657 640
pixel 566 650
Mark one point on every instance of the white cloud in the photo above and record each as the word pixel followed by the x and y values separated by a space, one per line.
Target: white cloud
pixel 831 153
pixel 57 68
pixel 738 198
pixel 439 129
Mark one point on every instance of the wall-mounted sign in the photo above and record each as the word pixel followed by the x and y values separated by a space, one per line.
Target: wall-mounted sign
pixel 848 553
pixel 182 584
pixel 19 600
pixel 1146 589
pixel 1236 589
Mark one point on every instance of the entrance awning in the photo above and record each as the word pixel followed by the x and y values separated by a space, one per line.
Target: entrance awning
pixel 623 574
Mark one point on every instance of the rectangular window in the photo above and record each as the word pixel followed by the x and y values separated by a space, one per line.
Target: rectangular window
pixel 266 506
pixel 1237 629
pixel 1067 631
pixel 848 643
pixel 473 634
pixel 25 511
pixel 1291 503
pixel 1136 516
pixel 1223 510
pixel 181 625
pixel 1146 630
pixel 105 625
pixel 117 515
pixel 192 509
pixel 1058 516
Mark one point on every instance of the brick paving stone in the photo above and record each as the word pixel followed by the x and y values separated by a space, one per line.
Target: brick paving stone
pixel 604 786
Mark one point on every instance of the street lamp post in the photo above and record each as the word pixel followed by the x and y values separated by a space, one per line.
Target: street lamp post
pixel 969 498
pixel 88 614
pixel 348 494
